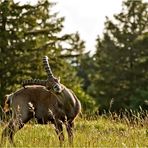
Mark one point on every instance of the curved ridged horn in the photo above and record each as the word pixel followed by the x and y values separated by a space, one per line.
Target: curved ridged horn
pixel 34 82
pixel 47 67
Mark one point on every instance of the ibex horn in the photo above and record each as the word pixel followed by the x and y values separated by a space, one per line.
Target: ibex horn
pixel 47 67
pixel 34 82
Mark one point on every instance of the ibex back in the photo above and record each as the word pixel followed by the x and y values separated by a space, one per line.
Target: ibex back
pixel 46 106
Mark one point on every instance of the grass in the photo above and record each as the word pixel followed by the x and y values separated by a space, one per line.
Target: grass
pixel 99 131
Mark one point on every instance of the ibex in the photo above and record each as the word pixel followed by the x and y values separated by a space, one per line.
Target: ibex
pixel 47 101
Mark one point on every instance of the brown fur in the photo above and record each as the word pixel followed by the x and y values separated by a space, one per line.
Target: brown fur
pixel 45 106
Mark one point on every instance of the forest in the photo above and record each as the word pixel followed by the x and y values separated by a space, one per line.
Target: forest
pixel 114 78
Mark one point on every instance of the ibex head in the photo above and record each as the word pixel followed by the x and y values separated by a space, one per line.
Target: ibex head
pixel 51 79
pixel 51 82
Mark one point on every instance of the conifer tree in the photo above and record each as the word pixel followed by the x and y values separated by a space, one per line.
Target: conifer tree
pixel 29 32
pixel 120 74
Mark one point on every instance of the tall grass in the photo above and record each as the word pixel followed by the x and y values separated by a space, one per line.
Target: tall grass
pixel 130 130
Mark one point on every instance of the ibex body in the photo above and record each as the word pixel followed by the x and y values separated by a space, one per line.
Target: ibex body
pixel 45 105
pixel 51 102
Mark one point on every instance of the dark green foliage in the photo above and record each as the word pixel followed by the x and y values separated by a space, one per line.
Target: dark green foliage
pixel 120 76
pixel 29 32
pixel 26 34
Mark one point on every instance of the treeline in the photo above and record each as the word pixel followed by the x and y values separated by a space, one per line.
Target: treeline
pixel 29 32
pixel 114 77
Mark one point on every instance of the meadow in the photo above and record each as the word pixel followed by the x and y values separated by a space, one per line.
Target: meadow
pixel 92 131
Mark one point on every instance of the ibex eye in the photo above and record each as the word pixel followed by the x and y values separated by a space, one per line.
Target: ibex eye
pixel 57 88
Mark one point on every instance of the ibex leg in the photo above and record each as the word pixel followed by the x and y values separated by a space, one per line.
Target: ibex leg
pixel 13 126
pixel 69 128
pixel 59 131
pixel 10 130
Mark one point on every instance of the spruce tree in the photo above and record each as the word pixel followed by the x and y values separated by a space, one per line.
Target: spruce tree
pixel 120 78
pixel 29 32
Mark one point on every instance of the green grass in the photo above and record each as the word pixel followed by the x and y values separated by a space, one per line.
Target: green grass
pixel 93 132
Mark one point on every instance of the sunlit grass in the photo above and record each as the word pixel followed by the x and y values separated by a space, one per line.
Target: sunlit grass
pixel 95 132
